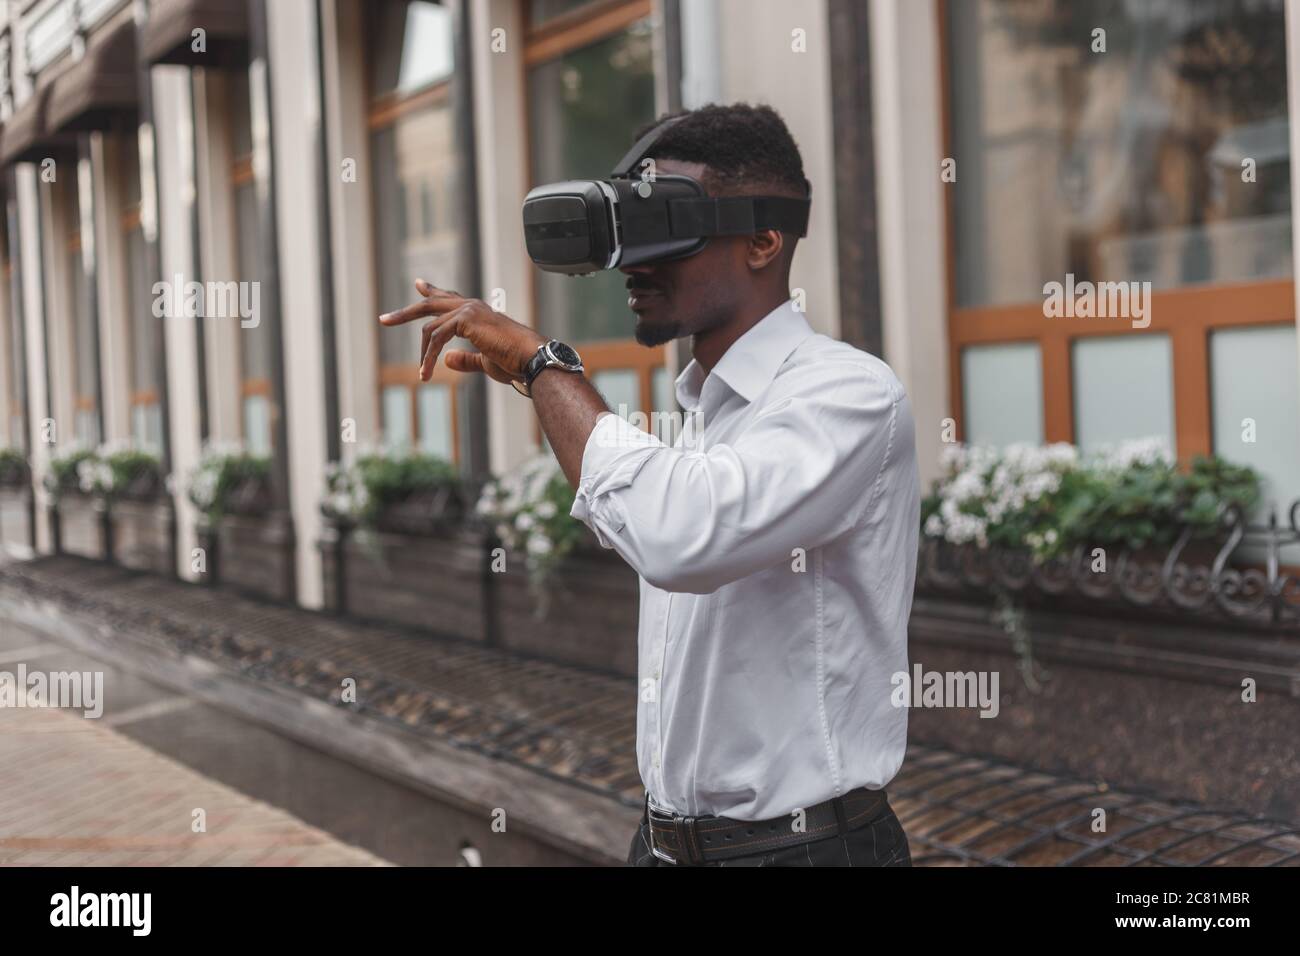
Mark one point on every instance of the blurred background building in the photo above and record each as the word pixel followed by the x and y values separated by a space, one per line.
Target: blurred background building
pixel 963 153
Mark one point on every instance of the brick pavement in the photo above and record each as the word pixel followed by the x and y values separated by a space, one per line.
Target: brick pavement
pixel 76 793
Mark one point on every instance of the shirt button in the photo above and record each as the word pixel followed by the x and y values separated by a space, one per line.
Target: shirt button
pixel 656 673
pixel 656 761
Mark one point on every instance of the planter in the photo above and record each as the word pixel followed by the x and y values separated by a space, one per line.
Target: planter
pixel 16 518
pixel 591 617
pixel 142 534
pixel 82 526
pixel 434 582
pixel 252 555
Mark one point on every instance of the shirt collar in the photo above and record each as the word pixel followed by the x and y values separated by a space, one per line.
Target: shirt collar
pixel 753 359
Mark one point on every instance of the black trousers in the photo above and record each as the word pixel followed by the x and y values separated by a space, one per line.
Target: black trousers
pixel 878 842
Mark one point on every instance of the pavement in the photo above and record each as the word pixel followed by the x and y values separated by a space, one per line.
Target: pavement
pixel 78 793
pixel 249 693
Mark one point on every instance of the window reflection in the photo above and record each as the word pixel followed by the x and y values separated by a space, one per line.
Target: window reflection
pixel 584 108
pixel 1163 159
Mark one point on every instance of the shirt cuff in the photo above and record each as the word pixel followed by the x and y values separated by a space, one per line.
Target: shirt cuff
pixel 614 453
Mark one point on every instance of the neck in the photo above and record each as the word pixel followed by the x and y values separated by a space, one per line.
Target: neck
pixel 708 347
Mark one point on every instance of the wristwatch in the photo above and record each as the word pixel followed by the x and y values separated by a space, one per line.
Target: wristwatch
pixel 554 354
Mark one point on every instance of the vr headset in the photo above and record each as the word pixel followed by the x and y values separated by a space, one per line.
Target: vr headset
pixel 583 226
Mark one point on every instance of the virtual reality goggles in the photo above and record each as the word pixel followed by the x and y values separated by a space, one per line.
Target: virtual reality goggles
pixel 583 226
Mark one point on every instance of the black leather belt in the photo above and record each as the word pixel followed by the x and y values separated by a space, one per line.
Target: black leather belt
pixel 694 840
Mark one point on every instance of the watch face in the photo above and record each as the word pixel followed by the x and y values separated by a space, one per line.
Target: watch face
pixel 565 354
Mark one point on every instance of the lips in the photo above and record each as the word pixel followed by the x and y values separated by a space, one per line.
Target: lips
pixel 638 295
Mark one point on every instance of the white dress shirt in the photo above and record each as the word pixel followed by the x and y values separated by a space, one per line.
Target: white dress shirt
pixel 776 543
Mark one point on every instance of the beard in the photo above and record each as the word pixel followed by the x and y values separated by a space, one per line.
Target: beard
pixel 655 332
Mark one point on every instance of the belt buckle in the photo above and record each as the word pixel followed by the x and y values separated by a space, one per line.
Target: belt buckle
pixel 653 812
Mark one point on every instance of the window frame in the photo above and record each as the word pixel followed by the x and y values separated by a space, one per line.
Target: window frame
pixel 383 112
pixel 584 26
pixel 1189 315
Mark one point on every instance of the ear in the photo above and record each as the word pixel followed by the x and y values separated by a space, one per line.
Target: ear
pixel 764 248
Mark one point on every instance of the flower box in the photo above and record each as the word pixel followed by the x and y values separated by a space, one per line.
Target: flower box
pixel 82 525
pixel 435 582
pixel 251 554
pixel 585 614
pixel 16 518
pixel 142 530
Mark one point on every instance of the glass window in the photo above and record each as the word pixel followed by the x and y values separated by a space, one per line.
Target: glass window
pixel 1002 387
pixel 541 12
pixel 83 330
pixel 1123 389
pixel 1164 159
pixel 415 160
pixel 416 155
pixel 411 46
pixel 144 326
pixel 583 109
pixel 620 388
pixel 241 114
pixel 436 421
pixel 254 354
pixel 1256 405
pixel 146 424
pixel 257 424
pixel 396 406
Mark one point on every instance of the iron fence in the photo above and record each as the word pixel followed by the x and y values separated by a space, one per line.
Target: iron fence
pixel 1239 574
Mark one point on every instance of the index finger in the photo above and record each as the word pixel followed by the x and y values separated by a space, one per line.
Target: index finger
pixel 434 305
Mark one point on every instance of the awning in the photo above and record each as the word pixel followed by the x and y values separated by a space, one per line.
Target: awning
pixel 100 87
pixel 26 139
pixel 169 32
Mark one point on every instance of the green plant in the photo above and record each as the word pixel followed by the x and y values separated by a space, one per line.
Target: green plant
pixel 125 472
pixel 1051 500
pixel 66 470
pixel 13 467
pixel 225 478
pixel 529 511
pixel 362 492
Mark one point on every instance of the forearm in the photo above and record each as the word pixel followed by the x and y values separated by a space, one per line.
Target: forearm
pixel 567 407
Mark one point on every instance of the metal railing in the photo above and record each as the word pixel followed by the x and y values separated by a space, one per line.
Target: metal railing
pixel 1238 575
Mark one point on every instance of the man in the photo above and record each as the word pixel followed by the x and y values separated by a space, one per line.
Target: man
pixel 776 540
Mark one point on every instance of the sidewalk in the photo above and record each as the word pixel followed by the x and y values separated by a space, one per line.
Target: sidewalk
pixel 554 745
pixel 78 794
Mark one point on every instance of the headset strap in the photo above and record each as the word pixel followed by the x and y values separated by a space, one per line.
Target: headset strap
pixel 642 146
pixel 737 216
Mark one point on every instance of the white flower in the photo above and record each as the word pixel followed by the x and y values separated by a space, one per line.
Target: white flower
pixel 546 510
pixel 539 545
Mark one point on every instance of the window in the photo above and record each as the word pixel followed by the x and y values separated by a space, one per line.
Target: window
pixel 416 196
pixel 254 343
pixel 143 326
pixel 82 339
pixel 1163 160
pixel 16 407
pixel 590 88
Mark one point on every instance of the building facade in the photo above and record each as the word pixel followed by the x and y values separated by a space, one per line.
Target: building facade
pixel 304 161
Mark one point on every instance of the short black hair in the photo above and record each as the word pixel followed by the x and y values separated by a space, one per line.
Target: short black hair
pixel 747 148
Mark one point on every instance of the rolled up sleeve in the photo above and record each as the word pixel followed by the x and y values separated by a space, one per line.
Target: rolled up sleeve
pixel 802 472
